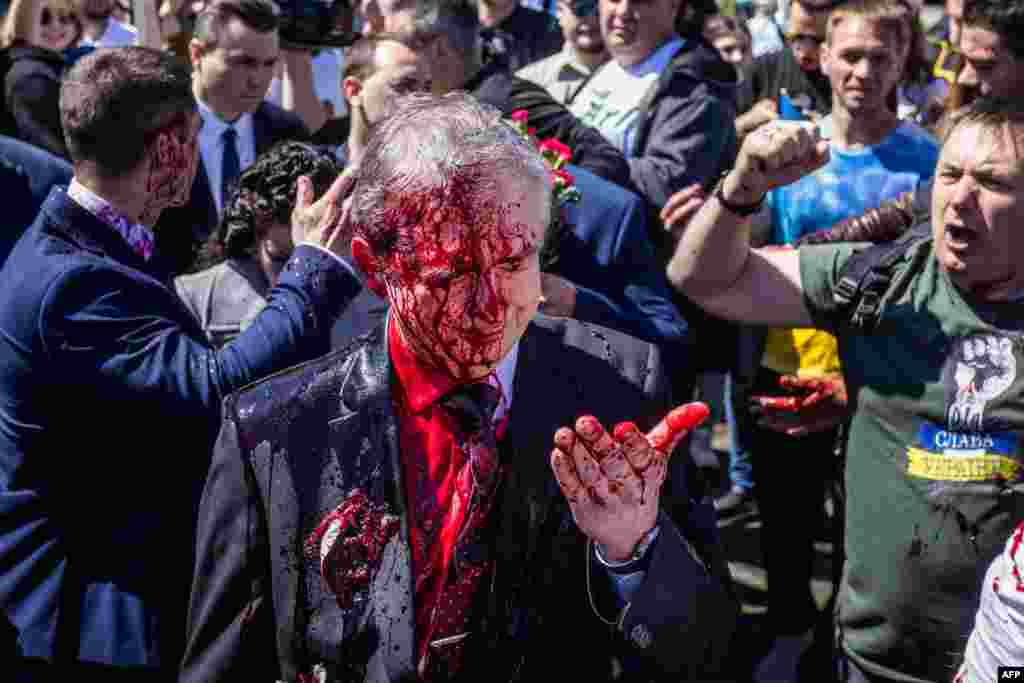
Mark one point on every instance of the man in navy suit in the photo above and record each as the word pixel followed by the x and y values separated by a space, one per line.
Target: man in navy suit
pixel 234 50
pixel 604 269
pixel 109 393
pixel 26 173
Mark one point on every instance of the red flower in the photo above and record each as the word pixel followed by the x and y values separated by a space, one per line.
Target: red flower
pixel 555 151
pixel 520 116
pixel 563 178
pixel 348 544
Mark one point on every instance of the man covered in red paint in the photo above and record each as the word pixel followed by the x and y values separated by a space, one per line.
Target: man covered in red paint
pixel 465 493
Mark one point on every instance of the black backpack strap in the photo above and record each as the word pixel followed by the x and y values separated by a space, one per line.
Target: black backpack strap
pixel 867 274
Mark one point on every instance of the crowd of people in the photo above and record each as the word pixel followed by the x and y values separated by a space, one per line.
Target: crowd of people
pixel 397 361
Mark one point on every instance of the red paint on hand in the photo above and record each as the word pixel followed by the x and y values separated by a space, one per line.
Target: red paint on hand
pixel 624 430
pixel 680 421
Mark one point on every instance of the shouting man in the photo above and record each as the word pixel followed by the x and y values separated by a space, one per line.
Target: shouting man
pixel 393 509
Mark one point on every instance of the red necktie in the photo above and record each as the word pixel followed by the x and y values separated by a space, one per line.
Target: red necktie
pixel 473 408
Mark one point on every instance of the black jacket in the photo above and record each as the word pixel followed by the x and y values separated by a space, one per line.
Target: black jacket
pixel 774 72
pixel 497 86
pixel 685 131
pixel 525 37
pixel 296 446
pixel 32 97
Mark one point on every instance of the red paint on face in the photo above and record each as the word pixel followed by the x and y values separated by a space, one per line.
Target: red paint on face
pixel 458 275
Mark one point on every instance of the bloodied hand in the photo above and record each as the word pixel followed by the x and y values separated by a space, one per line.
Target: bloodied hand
pixel 812 404
pixel 613 480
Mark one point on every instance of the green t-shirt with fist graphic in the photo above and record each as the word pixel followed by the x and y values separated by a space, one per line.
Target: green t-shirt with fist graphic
pixel 934 466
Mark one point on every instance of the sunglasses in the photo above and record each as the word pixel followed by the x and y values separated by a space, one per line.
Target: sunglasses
pixel 47 17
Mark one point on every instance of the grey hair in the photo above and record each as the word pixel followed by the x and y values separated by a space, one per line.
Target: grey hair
pixel 436 152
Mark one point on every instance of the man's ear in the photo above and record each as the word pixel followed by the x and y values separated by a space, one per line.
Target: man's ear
pixel 367 262
pixel 352 88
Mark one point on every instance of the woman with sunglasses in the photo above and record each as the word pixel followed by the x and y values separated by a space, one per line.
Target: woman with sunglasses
pixel 34 38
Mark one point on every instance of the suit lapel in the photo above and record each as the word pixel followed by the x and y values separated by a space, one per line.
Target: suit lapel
pixel 203 203
pixel 531 494
pixel 261 129
pixel 364 441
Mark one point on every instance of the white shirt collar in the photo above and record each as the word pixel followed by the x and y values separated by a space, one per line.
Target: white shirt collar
pixel 214 126
pixel 504 378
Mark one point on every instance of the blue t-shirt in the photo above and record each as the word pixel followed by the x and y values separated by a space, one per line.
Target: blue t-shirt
pixel 853 182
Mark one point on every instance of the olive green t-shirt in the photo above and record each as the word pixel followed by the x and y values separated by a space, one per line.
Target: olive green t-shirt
pixel 933 471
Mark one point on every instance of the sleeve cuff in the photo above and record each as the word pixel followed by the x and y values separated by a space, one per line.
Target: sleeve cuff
pixel 339 259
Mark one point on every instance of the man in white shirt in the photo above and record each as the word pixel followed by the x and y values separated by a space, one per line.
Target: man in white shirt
pixel 100 28
pixel 564 73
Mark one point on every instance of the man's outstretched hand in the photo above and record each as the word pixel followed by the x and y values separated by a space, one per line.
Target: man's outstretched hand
pixel 815 404
pixel 613 480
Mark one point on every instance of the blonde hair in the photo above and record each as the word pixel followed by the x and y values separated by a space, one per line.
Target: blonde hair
pixel 21 17
pixel 892 17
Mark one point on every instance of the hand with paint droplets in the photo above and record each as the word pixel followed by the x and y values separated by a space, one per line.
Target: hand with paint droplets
pixel 324 222
pixel 613 480
pixel 815 404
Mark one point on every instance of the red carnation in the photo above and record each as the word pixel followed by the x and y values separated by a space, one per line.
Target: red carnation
pixel 564 177
pixel 520 116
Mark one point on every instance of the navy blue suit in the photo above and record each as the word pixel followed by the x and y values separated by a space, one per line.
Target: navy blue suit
pixel 607 254
pixel 26 175
pixel 109 406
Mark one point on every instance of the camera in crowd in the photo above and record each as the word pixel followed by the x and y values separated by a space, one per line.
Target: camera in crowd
pixel 316 23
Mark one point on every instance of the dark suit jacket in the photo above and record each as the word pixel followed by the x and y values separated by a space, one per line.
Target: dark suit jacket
pixel 608 255
pixel 32 96
pixel 27 174
pixel 180 231
pixel 293 447
pixel 109 406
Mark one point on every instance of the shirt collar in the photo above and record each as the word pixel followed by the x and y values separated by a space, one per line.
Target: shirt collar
pixel 657 60
pixel 214 126
pixel 422 385
pixel 138 236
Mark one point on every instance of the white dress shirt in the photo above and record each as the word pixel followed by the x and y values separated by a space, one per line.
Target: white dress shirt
pixel 211 148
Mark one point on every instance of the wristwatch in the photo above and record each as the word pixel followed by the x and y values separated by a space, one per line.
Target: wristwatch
pixel 742 210
pixel 633 563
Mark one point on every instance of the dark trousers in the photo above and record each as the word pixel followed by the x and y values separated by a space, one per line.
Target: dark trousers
pixel 792 474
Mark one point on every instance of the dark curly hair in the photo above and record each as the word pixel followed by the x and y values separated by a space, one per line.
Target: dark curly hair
pixel 265 194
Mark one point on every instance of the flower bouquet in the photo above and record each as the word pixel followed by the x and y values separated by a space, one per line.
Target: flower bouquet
pixel 563 186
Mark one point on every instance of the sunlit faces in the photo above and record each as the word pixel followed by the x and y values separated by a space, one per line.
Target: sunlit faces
pixel 233 78
pixel 398 70
pixel 582 33
pixel 977 208
pixel 734 48
pixel 57 29
pixel 385 16
pixel 634 29
pixel 805 34
pixel 988 65
pixel 465 288
pixel 863 63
